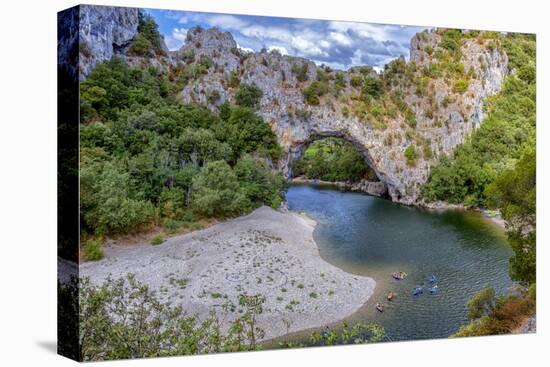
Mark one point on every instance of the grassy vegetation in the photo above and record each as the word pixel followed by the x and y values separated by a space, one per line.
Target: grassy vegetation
pixel 157 240
pixel 93 250
pixel 410 155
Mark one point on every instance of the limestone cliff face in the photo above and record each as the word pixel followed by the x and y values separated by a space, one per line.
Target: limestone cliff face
pixel 452 118
pixel 104 32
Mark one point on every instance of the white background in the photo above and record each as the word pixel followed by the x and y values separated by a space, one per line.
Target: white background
pixel 28 181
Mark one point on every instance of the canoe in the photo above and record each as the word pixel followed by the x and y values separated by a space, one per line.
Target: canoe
pixel 399 275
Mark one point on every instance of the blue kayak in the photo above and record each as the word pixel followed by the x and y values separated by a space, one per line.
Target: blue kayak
pixel 417 291
pixel 433 289
pixel 432 279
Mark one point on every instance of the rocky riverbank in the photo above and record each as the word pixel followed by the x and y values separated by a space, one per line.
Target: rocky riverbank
pixel 373 188
pixel 266 252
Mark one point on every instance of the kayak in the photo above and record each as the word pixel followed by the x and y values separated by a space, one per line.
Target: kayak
pixel 399 275
pixel 380 307
pixel 432 279
pixel 417 291
pixel 433 289
pixel 390 296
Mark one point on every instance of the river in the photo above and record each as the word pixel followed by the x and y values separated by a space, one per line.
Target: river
pixel 374 237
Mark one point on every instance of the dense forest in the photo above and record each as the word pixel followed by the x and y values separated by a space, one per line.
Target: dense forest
pixel 333 159
pixel 148 159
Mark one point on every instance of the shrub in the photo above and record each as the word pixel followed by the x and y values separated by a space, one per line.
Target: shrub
pixel 93 250
pixel 248 95
pixel 123 318
pixel 427 151
pixel 188 216
pixel 234 80
pixel 141 46
pixel 314 91
pixel 171 225
pixel 340 81
pixel 450 39
pixel 157 240
pixel 410 155
pixel 356 81
pixel 300 71
pixel 482 304
pixel 372 86
pixel 460 86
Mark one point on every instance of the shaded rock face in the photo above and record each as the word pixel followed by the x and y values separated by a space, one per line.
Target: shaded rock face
pixel 297 124
pixel 67 41
pixel 105 31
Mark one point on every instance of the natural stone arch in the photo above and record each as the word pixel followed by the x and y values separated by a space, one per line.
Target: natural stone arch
pixel 296 141
pixel 295 152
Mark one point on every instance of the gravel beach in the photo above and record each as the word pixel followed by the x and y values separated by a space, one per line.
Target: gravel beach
pixel 266 252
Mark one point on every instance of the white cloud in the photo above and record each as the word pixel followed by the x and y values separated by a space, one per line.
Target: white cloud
pixel 226 21
pixel 281 49
pixel 331 64
pixel 324 43
pixel 245 49
pixel 176 39
pixel 180 34
pixel 376 32
pixel 262 32
pixel 340 38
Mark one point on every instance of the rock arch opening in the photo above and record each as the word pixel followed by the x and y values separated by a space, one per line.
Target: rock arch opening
pixel 338 159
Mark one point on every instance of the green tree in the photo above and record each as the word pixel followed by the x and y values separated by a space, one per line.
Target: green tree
pixel 246 132
pixel 259 184
pixel 216 191
pixel 515 193
pixel 111 206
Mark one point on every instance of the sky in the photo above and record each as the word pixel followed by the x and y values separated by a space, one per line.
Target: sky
pixel 339 45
